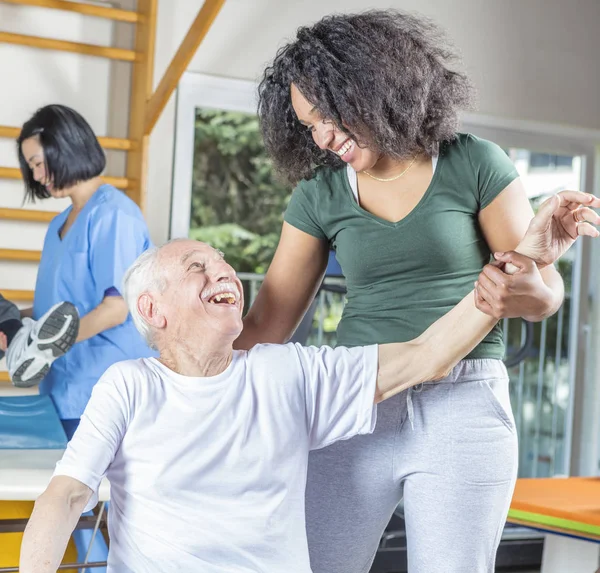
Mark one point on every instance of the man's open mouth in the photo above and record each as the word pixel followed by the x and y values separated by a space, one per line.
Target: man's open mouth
pixel 224 293
pixel 223 298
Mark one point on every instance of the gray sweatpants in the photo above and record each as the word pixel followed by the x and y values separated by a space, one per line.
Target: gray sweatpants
pixel 449 448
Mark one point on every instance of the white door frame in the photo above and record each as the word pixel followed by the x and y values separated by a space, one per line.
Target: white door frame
pixel 199 90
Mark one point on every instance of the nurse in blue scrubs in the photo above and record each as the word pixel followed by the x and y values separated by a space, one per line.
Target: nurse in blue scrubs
pixel 87 249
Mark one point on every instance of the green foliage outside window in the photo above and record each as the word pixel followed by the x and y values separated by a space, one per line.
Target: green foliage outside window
pixel 237 203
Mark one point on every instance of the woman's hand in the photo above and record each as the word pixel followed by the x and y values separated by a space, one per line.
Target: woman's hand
pixel 523 293
pixel 557 224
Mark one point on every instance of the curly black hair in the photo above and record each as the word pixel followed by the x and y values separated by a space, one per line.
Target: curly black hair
pixel 384 75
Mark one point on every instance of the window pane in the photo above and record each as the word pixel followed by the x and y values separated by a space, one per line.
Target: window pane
pixel 540 383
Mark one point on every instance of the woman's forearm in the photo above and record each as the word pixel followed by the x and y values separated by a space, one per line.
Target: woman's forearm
pixel 111 312
pixel 255 333
pixel 554 282
pixel 556 289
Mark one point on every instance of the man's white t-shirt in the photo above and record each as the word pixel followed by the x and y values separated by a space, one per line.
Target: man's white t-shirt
pixel 208 474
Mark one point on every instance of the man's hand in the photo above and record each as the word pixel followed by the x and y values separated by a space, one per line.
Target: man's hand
pixel 3 342
pixel 521 294
pixel 556 226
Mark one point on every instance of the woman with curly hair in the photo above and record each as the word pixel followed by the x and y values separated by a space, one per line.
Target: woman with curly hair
pixel 360 112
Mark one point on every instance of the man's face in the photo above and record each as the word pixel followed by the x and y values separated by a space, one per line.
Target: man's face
pixel 203 298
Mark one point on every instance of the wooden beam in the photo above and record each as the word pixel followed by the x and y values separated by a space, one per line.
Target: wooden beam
pixel 105 142
pixel 10 173
pixel 20 255
pixel 121 183
pixel 118 182
pixel 17 295
pixel 87 9
pixel 141 90
pixel 27 215
pixel 4 377
pixel 116 143
pixel 180 61
pixel 74 47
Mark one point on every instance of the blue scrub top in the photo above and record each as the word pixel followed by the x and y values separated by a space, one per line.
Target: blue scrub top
pixel 105 239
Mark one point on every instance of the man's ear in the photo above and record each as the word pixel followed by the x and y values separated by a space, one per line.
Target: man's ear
pixel 148 308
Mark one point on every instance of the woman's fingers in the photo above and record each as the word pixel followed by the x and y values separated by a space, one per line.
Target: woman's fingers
pixel 585 214
pixel 587 230
pixel 578 198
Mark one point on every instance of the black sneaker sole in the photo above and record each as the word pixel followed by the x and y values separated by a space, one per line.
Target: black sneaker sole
pixel 32 380
pixel 54 324
pixel 49 329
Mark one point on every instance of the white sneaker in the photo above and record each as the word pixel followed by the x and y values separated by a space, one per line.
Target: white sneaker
pixel 41 342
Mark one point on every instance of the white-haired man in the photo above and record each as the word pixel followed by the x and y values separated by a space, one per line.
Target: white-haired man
pixel 205 447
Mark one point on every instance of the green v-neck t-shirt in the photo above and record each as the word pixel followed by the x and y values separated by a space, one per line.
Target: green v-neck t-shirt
pixel 401 277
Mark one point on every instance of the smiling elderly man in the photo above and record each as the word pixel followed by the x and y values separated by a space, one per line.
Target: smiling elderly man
pixel 205 447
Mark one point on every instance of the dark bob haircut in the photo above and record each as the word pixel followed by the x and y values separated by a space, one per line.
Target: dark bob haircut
pixel 71 151
pixel 383 75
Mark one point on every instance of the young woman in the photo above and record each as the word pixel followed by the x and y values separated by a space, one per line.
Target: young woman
pixel 87 249
pixel 360 112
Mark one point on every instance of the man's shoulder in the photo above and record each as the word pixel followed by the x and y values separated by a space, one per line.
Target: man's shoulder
pixel 128 371
pixel 271 350
pixel 277 359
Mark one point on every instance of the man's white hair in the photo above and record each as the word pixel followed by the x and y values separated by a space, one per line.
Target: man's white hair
pixel 144 276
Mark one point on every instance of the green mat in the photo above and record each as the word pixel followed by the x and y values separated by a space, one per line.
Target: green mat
pixel 539 519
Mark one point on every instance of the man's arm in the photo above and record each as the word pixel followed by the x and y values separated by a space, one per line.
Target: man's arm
pixel 54 518
pixel 77 476
pixel 431 356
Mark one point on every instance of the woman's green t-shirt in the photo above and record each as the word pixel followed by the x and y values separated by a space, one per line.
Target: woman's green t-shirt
pixel 401 277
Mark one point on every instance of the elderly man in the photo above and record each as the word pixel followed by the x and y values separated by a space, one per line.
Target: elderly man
pixel 205 447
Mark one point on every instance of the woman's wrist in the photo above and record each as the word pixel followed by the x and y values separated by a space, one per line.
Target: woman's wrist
pixel 546 305
pixel 526 251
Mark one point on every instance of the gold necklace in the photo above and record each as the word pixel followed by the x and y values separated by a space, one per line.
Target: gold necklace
pixel 386 180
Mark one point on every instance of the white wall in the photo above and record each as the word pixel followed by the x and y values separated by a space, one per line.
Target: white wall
pixel 529 59
pixel 32 78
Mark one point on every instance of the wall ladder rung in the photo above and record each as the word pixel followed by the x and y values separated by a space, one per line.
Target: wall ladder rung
pixel 106 142
pixel 27 215
pixel 86 9
pixel 20 255
pixel 73 47
pixel 118 182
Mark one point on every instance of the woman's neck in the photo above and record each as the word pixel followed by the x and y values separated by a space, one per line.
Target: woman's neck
pixel 82 192
pixel 387 167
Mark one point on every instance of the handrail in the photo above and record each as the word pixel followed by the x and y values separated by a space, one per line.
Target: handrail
pixel 86 9
pixel 118 182
pixel 27 215
pixel 74 47
pixel 21 255
pixel 105 142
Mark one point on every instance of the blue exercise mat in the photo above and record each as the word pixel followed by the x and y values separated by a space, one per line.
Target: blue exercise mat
pixel 30 423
